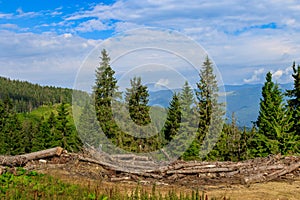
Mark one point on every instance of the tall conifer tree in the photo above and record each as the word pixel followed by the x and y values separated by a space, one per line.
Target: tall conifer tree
pixel 210 110
pixel 274 121
pixel 173 120
pixel 104 90
pixel 137 98
pixel 294 98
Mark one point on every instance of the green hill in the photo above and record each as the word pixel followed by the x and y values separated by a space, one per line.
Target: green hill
pixel 26 96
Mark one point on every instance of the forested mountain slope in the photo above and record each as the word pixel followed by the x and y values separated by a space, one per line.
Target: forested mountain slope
pixel 27 96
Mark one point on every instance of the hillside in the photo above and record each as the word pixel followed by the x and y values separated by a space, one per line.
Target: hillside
pixel 27 96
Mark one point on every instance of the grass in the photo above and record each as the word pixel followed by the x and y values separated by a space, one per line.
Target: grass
pixel 22 184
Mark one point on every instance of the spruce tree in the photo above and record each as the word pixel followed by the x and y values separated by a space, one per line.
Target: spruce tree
pixel 210 110
pixel 10 130
pixel 105 90
pixel 38 141
pixel 137 98
pixel 294 98
pixel 66 135
pixel 188 126
pixel 274 121
pixel 88 128
pixel 173 120
pixel 187 100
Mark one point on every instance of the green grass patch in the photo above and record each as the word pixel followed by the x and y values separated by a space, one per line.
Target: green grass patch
pixel 22 184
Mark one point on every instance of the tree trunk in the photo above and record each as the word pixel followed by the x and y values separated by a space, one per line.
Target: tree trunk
pixel 21 160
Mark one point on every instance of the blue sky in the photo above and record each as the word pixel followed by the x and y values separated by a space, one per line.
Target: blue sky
pixel 47 41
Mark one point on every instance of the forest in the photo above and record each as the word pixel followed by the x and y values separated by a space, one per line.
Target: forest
pixel 34 117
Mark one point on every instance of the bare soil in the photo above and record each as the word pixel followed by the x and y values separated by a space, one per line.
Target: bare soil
pixel 70 170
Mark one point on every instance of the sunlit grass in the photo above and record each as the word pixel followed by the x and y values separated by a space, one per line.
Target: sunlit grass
pixel 22 184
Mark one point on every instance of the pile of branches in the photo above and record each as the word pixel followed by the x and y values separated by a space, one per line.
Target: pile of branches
pixel 125 167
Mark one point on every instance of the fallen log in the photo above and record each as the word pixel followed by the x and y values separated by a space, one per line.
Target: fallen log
pixel 197 171
pixel 268 177
pixel 21 160
pixel 130 157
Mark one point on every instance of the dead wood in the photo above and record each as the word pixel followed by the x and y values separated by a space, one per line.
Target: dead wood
pixel 125 167
pixel 21 160
pixel 267 177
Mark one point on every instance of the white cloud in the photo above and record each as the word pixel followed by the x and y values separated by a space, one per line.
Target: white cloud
pixel 238 35
pixel 256 76
pixel 283 75
pixel 67 35
pixel 5 15
pixel 9 26
pixel 277 74
pixel 22 14
pixel 235 34
pixel 162 82
pixel 91 25
pixel 49 59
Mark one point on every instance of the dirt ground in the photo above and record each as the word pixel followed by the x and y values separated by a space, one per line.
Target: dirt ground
pixel 285 188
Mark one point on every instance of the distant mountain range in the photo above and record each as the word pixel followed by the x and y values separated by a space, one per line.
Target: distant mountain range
pixel 242 100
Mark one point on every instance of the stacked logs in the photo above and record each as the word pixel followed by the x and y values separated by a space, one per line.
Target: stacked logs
pixel 247 172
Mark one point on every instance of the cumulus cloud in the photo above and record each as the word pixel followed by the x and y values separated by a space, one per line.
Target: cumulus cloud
pixel 257 75
pixel 283 75
pixel 235 34
pixel 241 37
pixel 47 59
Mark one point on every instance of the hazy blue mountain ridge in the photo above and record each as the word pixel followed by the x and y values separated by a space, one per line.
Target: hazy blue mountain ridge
pixel 242 100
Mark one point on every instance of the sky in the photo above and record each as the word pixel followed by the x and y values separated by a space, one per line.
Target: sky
pixel 47 42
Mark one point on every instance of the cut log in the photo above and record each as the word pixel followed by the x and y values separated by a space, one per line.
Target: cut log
pixel 197 171
pixel 130 157
pixel 21 160
pixel 57 151
pixel 268 177
pixel 284 171
pixel 13 161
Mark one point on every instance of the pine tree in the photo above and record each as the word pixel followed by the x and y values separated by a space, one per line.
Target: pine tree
pixel 137 98
pixel 210 110
pixel 294 98
pixel 105 90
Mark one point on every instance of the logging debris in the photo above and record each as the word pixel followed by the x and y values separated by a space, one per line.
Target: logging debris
pixel 130 167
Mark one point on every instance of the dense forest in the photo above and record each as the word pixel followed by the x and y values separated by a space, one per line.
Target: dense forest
pixel 26 96
pixel 33 118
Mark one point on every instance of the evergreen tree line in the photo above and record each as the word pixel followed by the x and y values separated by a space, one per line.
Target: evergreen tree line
pixel 26 96
pixel 276 130
pixel 24 136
